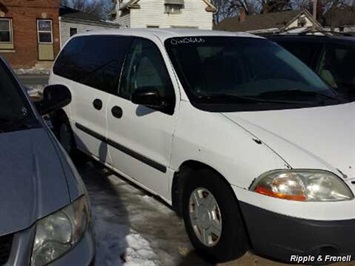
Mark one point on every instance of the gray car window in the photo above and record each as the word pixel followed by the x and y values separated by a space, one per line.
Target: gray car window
pixel 12 105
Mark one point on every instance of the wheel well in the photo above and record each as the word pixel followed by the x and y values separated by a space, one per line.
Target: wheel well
pixel 179 181
pixel 180 178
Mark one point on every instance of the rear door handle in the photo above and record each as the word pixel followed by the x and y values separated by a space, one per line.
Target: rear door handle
pixel 97 103
pixel 117 111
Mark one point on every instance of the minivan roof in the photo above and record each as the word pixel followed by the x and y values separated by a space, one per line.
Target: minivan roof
pixel 165 33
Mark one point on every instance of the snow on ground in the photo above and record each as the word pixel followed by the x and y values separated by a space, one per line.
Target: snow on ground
pixel 34 91
pixel 132 227
pixel 116 242
pixel 114 248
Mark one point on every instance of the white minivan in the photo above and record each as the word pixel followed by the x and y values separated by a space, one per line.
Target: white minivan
pixel 245 142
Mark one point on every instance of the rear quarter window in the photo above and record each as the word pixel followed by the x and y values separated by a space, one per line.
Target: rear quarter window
pixel 95 61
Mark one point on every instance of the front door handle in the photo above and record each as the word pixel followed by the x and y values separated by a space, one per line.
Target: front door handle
pixel 97 103
pixel 117 111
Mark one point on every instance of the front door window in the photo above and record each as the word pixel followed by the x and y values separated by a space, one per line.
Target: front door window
pixel 144 67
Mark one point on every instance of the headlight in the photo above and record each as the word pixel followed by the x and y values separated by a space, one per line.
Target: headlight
pixel 58 232
pixel 302 185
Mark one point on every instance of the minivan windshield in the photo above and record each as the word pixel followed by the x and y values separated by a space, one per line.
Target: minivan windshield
pixel 242 73
pixel 15 112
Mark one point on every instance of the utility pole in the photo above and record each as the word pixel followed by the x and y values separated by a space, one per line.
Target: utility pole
pixel 314 14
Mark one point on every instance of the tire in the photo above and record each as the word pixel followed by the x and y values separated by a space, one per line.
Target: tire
pixel 66 138
pixel 215 228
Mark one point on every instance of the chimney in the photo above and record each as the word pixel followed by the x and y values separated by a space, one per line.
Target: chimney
pixel 242 14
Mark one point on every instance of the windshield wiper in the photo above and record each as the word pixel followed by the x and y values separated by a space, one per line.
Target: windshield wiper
pixel 299 93
pixel 231 98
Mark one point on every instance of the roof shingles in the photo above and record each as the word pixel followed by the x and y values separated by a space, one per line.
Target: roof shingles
pixel 257 22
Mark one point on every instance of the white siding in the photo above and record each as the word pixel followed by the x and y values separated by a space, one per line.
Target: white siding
pixel 81 28
pixel 294 24
pixel 152 13
pixel 124 21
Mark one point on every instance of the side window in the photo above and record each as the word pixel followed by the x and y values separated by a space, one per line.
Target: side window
pixel 336 66
pixel 95 61
pixel 145 67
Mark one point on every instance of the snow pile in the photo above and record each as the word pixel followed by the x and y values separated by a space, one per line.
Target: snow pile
pixel 35 92
pixel 117 244
pixel 33 71
pixel 139 251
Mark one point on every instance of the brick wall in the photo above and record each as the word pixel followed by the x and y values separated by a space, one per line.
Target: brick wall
pixel 24 14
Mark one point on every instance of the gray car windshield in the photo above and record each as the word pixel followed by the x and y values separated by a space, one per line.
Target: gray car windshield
pixel 248 73
pixel 15 112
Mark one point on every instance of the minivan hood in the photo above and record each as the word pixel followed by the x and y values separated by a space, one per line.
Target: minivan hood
pixel 318 138
pixel 32 181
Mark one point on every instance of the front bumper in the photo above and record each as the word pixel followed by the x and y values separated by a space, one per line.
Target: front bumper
pixel 83 253
pixel 281 237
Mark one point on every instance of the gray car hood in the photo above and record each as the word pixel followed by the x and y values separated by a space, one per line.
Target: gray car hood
pixel 320 137
pixel 32 181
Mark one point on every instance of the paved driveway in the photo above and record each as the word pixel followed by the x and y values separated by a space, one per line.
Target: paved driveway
pixel 33 80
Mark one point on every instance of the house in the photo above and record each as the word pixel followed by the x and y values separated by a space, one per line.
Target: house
pixel 165 13
pixel 29 31
pixel 340 19
pixel 73 21
pixel 269 23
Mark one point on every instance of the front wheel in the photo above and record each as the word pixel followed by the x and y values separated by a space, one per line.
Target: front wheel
pixel 65 136
pixel 212 217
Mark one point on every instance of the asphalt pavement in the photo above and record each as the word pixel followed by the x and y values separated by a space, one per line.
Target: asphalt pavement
pixel 31 80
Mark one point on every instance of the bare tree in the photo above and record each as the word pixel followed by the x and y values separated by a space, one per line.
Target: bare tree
pixel 270 6
pixel 99 8
pixel 231 8
pixel 330 11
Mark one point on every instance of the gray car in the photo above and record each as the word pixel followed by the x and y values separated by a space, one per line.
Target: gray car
pixel 44 208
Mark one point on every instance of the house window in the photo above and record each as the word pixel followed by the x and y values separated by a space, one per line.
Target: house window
pixel 125 12
pixel 44 31
pixel 301 22
pixel 173 8
pixel 6 33
pixel 73 31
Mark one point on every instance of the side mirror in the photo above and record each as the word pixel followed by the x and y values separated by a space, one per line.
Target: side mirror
pixel 54 98
pixel 147 96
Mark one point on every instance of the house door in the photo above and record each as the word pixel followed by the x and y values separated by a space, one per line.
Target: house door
pixel 45 39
